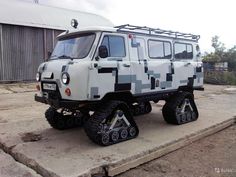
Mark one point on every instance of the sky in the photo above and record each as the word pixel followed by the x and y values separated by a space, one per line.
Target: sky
pixel 204 17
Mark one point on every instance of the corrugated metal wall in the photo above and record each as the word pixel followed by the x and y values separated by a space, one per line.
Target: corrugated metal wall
pixel 23 49
pixel 1 58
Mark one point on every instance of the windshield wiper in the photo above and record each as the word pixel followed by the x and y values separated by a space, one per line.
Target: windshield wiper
pixel 61 57
pixel 65 57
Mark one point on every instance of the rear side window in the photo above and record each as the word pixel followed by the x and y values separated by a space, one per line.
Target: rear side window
pixel 115 45
pixel 183 51
pixel 159 49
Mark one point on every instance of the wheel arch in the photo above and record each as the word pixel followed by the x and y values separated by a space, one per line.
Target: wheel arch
pixel 125 96
pixel 186 89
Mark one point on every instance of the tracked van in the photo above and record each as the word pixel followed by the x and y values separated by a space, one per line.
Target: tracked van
pixel 102 77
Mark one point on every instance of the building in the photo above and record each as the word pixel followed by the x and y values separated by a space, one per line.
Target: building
pixel 28 32
pixel 215 66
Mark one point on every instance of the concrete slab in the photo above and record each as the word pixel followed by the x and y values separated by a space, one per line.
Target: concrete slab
pixel 230 89
pixel 71 153
pixel 17 88
pixel 9 167
pixel 4 91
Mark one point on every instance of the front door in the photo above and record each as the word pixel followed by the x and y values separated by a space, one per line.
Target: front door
pixel 111 74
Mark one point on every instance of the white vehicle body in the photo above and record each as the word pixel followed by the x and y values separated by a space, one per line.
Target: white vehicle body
pixel 138 63
pixel 101 77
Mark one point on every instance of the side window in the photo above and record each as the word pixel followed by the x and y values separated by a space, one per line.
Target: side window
pixel 189 51
pixel 167 50
pixel 183 51
pixel 115 45
pixel 159 49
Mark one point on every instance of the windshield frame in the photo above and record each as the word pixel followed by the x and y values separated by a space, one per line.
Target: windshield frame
pixel 73 36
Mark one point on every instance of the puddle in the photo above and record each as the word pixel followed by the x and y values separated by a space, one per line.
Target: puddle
pixel 31 137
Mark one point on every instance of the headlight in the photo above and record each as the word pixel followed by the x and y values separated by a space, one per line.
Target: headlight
pixel 38 77
pixel 65 78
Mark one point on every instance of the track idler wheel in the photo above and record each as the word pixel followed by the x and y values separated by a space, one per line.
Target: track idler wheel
pixel 111 123
pixel 180 109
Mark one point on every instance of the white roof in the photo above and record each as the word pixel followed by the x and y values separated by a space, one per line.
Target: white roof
pixel 88 29
pixel 22 13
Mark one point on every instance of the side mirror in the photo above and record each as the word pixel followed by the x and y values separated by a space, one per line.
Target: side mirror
pixel 102 51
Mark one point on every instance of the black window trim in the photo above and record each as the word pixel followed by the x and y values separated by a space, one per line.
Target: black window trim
pixel 163 41
pixel 107 34
pixel 186 50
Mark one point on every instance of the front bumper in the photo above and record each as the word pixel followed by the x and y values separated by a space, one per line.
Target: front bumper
pixel 57 103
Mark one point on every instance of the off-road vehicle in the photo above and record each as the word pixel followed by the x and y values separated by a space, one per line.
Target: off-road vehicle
pixel 101 77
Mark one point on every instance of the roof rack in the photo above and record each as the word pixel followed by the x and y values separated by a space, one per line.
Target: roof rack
pixel 157 31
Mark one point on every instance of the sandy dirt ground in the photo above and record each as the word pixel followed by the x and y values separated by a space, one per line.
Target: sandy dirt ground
pixel 213 156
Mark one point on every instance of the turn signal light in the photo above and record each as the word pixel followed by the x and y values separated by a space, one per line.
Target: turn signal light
pixel 67 92
pixel 38 87
pixel 130 36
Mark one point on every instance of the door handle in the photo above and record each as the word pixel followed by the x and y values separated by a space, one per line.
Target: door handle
pixel 126 65
pixel 186 64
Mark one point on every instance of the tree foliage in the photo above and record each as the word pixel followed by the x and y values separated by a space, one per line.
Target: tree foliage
pixel 221 54
pixel 217 45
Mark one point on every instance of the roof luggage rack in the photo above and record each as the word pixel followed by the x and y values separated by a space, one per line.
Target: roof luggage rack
pixel 157 31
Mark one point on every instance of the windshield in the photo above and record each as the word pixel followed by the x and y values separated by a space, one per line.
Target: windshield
pixel 75 47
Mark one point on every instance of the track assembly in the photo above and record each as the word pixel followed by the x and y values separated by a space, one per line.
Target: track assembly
pixel 180 109
pixel 63 119
pixel 111 123
pixel 141 108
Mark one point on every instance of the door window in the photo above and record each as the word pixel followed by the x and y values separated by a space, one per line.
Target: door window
pixel 159 49
pixel 183 51
pixel 115 45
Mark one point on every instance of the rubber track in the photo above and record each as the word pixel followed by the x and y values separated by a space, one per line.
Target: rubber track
pixel 168 110
pixel 93 126
pixel 59 122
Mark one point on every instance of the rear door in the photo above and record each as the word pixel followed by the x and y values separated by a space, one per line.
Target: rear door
pixel 184 64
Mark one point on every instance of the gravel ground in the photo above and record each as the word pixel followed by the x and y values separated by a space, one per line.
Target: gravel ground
pixel 213 156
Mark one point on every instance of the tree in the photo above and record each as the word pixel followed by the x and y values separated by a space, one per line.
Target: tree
pixel 217 45
pixel 219 48
pixel 230 57
pixel 219 54
pixel 211 58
